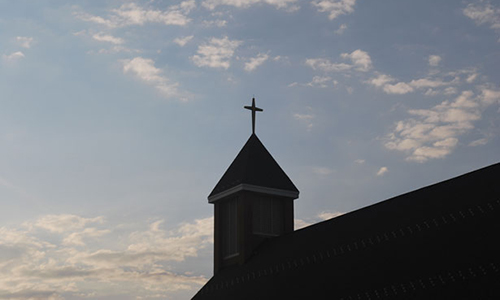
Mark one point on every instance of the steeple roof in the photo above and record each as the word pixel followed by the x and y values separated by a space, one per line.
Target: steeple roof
pixel 254 169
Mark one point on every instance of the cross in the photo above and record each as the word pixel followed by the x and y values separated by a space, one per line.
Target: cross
pixel 253 108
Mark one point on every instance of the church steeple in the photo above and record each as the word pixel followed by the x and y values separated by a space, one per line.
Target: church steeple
pixel 253 201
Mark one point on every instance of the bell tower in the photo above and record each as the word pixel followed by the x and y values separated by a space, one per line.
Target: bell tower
pixel 253 201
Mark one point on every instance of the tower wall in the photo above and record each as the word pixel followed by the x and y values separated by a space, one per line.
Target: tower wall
pixel 247 240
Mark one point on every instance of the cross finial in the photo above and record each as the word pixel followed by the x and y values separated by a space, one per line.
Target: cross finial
pixel 253 108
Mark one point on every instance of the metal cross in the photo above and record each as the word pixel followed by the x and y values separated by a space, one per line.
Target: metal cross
pixel 253 108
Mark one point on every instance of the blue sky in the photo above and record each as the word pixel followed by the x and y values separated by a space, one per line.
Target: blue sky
pixel 117 118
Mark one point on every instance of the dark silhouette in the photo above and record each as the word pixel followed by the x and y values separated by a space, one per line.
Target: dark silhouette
pixel 253 108
pixel 438 242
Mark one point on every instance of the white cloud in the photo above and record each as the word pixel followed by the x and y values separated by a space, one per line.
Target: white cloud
pixel 115 49
pixel 484 13
pixel 489 96
pixel 382 171
pixel 306 118
pixel 212 4
pixel 13 56
pixel 319 81
pixel 144 70
pixel 450 90
pixel 380 80
pixel 326 66
pixel 426 83
pixel 133 14
pixel 62 223
pixel 299 224
pixel 434 60
pixel 143 262
pixel 472 77
pixel 433 133
pixel 101 37
pixel 183 41
pixel 360 59
pixel 399 88
pixel 429 84
pixel 216 53
pixel 215 23
pixel 478 142
pixel 359 161
pixel 255 62
pixel 96 19
pixel 341 29
pixel 335 8
pixel 25 42
pixel 326 215
pixel 76 238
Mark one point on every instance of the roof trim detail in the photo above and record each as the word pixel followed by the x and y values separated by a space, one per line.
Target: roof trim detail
pixel 253 188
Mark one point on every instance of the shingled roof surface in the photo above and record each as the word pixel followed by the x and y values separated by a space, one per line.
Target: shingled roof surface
pixel 438 242
pixel 254 165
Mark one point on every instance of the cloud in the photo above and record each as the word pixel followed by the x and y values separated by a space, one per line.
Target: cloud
pixel 484 13
pixel 306 118
pixel 115 49
pixel 319 81
pixel 212 4
pixel 472 77
pixel 434 60
pixel 335 8
pixel 426 82
pixel 101 37
pixel 216 53
pixel 380 80
pixel 299 224
pixel 215 23
pixel 141 263
pixel 478 142
pixel 341 29
pixel 326 215
pixel 255 62
pixel 385 82
pixel 326 66
pixel 433 133
pixel 399 88
pixel 13 56
pixel 359 161
pixel 25 42
pixel 360 59
pixel 144 70
pixel 183 41
pixel 133 14
pixel 489 96
pixel 382 171
pixel 62 223
pixel 76 238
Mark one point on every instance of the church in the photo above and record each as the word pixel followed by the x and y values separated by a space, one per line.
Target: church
pixel 438 242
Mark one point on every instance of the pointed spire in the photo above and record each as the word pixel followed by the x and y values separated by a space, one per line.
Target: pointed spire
pixel 254 169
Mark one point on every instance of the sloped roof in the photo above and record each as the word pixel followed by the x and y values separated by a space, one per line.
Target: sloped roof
pixel 438 242
pixel 255 166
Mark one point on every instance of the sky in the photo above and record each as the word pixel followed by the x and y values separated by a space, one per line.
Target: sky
pixel 117 118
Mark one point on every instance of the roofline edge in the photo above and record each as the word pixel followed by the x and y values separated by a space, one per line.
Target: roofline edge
pixel 253 188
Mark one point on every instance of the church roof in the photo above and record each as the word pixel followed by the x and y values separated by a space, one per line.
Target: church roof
pixel 438 242
pixel 254 167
